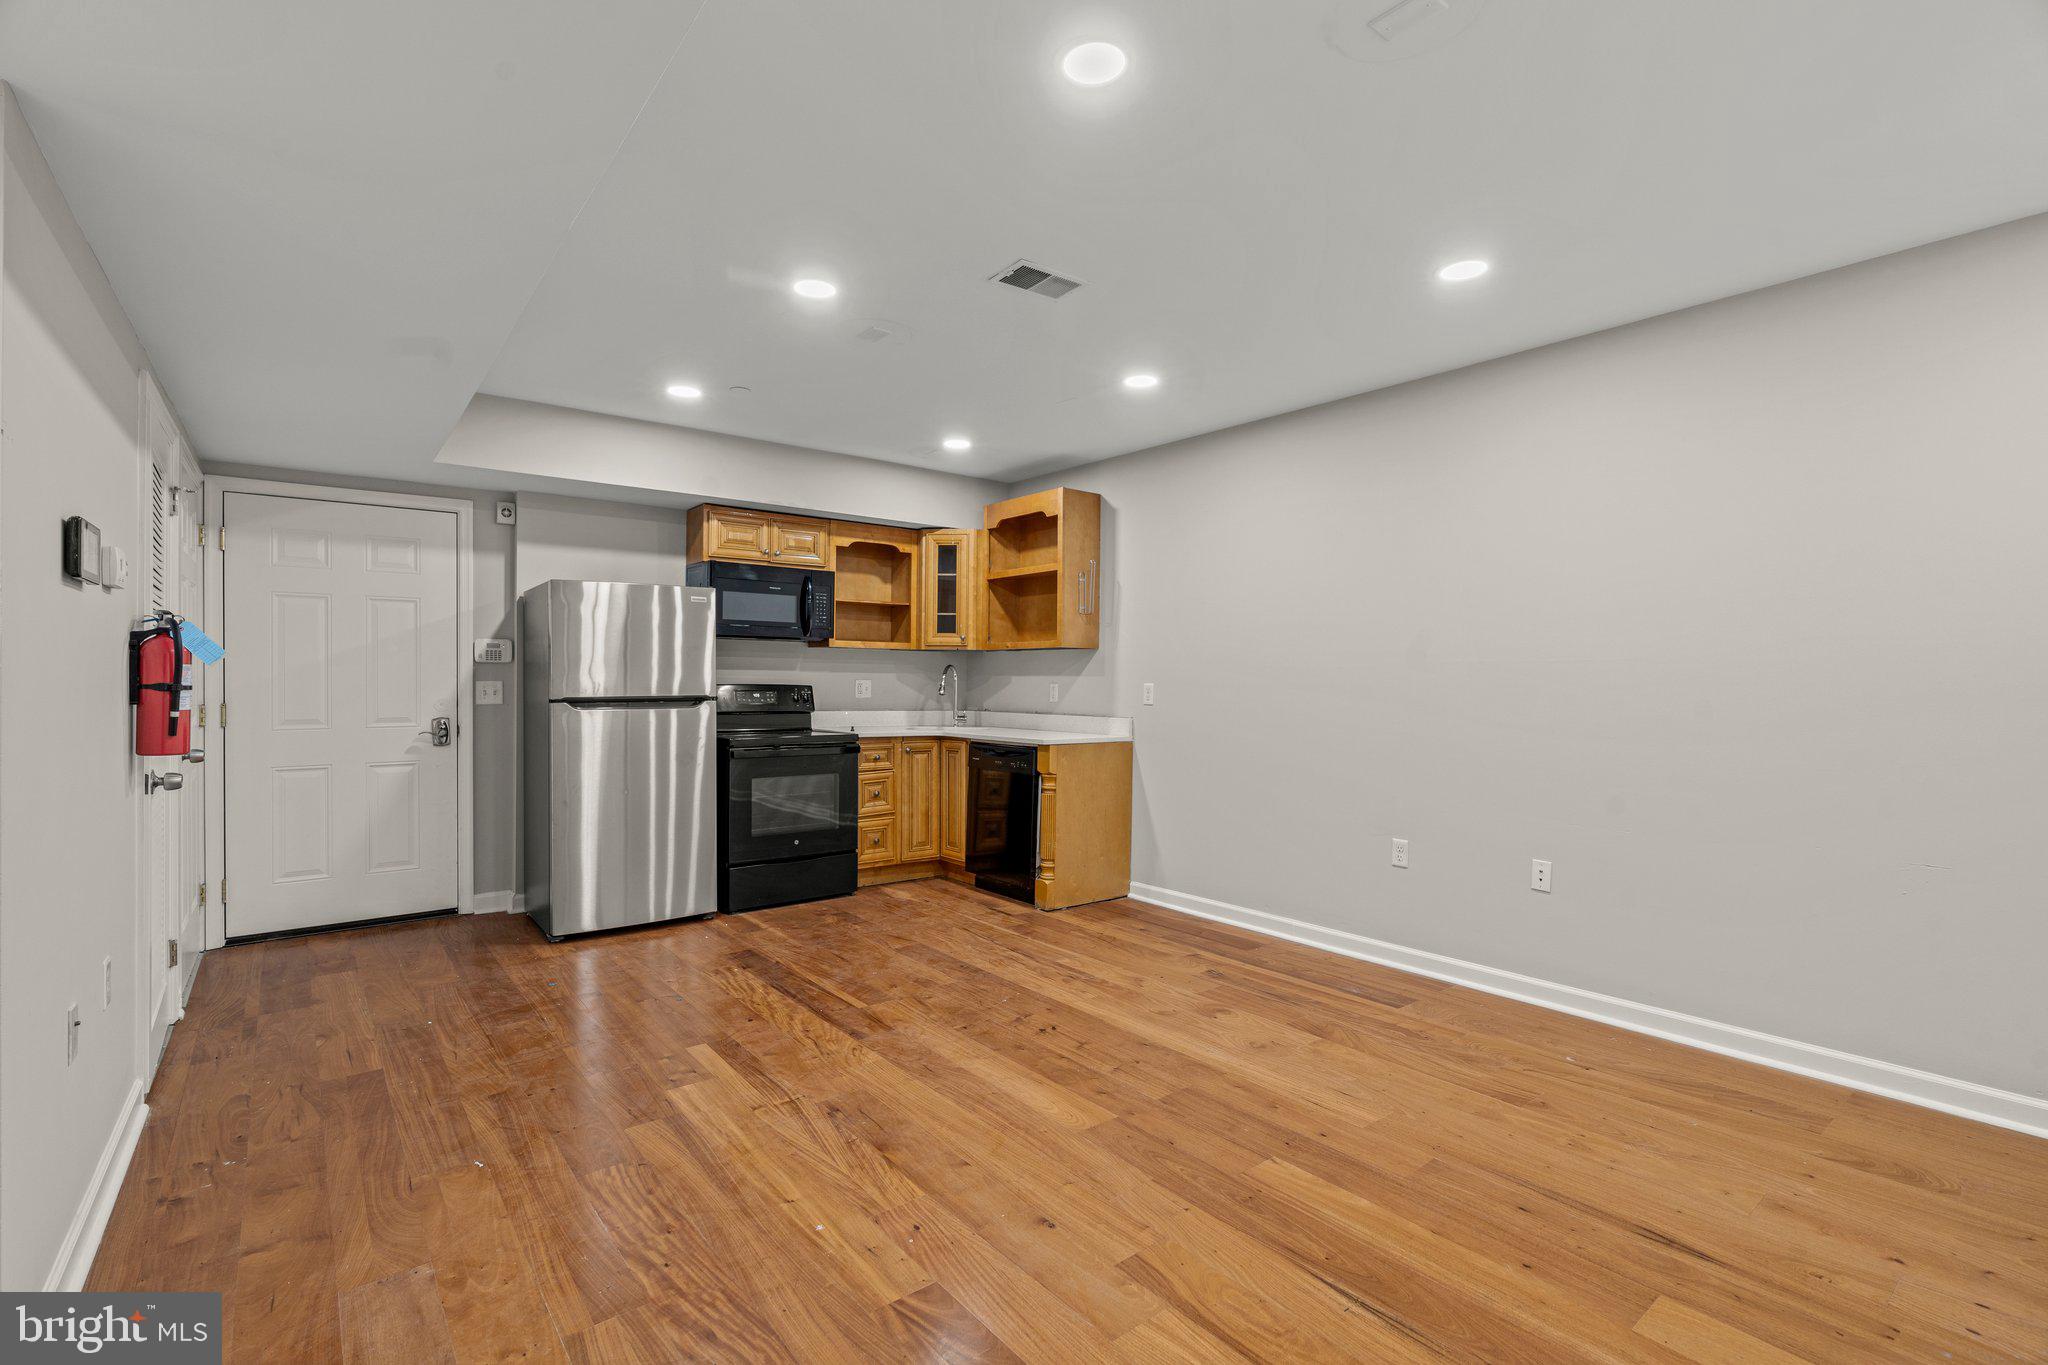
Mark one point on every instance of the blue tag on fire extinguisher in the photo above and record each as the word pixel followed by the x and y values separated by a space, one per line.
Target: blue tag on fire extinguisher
pixel 205 649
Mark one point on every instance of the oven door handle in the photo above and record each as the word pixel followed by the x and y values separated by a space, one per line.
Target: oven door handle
pixel 752 749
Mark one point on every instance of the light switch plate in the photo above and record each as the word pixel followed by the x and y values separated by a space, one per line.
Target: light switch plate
pixel 863 687
pixel 1539 875
pixel 490 693
pixel 1148 694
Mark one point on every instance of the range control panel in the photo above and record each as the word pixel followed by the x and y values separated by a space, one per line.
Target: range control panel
pixel 782 697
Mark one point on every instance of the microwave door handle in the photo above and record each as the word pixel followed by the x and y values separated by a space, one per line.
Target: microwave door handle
pixel 804 607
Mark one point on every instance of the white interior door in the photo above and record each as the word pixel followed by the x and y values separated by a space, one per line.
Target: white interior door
pixel 340 624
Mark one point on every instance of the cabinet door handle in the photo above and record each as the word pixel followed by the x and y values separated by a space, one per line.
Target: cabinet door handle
pixel 1088 589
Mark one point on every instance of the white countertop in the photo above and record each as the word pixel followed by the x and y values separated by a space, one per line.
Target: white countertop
pixel 996 727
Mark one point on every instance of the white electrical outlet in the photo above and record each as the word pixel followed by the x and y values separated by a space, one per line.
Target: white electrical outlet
pixel 863 687
pixel 1055 691
pixel 1539 875
pixel 106 983
pixel 1400 853
pixel 72 1023
pixel 490 693
pixel 1148 694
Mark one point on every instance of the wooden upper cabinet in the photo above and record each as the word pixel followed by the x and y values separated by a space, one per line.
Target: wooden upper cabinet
pixel 800 544
pixel 738 533
pixel 1042 562
pixel 874 586
pixel 951 589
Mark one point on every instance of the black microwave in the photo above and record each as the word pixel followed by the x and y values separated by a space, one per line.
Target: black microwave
pixel 768 601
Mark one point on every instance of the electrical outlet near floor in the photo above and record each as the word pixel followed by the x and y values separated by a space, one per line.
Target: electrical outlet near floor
pixel 1400 853
pixel 863 687
pixel 1539 875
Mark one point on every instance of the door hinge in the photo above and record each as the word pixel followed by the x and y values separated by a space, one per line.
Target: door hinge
pixel 223 715
pixel 202 893
pixel 220 537
pixel 202 725
pixel 174 952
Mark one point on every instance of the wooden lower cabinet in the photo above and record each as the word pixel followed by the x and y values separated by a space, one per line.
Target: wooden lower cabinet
pixel 953 802
pixel 917 826
pixel 1084 823
pixel 913 816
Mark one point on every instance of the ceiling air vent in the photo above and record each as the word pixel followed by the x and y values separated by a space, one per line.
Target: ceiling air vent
pixel 1034 280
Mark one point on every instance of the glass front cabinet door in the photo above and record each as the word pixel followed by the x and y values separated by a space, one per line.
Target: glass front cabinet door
pixel 952 590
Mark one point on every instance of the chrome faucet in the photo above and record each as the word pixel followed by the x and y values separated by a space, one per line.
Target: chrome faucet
pixel 959 712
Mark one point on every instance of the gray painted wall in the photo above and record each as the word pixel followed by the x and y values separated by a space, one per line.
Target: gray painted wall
pixel 70 788
pixel 1735 615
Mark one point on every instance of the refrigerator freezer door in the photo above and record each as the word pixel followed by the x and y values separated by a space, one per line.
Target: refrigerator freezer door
pixel 633 833
pixel 622 639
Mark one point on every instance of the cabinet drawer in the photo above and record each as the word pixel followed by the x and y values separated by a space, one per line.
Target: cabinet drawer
pixel 877 794
pixel 877 756
pixel 877 843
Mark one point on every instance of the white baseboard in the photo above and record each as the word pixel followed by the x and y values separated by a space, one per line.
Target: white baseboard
pixel 89 1224
pixel 2005 1108
pixel 498 903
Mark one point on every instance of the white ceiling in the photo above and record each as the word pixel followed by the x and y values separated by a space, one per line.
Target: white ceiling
pixel 295 205
pixel 324 217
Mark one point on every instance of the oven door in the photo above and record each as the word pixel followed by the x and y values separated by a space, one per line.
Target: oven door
pixel 789 801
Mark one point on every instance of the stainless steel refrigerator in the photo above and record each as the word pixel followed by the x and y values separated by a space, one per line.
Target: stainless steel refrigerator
pixel 620 752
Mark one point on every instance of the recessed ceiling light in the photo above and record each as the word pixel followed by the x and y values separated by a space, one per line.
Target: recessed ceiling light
pixel 1457 271
pixel 1094 63
pixel 815 289
pixel 688 391
pixel 957 443
pixel 1141 381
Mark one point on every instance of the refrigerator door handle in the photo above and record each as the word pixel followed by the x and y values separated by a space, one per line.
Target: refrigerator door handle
pixel 629 703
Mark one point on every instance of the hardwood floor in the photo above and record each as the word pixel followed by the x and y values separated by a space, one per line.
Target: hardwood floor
pixel 923 1124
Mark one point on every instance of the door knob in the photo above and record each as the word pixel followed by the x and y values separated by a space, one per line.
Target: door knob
pixel 198 755
pixel 154 782
pixel 441 731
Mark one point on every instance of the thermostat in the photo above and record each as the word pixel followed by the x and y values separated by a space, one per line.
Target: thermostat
pixel 494 651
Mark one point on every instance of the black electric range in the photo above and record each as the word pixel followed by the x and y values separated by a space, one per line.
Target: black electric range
pixel 787 793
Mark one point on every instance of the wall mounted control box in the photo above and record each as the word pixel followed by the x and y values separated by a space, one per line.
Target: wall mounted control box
pixel 81 551
pixel 494 651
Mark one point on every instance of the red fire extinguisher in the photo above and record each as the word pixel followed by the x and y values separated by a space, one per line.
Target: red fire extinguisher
pixel 160 688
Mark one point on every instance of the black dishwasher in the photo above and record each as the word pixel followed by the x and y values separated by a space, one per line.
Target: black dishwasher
pixel 1002 819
